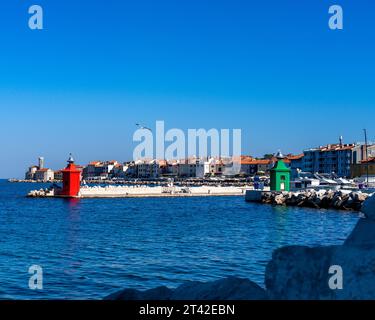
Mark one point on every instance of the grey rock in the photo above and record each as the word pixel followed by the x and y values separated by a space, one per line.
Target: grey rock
pixel 159 293
pixel 297 272
pixel 301 273
pixel 279 199
pixel 369 208
pixel 363 234
pixel 322 199
pixel 231 288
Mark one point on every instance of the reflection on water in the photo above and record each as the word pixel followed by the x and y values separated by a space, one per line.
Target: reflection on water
pixel 280 217
pixel 72 204
pixel 71 253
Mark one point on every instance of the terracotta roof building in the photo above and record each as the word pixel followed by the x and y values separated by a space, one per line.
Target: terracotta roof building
pixel 364 168
pixel 330 159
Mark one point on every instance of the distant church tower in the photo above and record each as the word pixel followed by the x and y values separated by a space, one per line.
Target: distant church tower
pixel 41 163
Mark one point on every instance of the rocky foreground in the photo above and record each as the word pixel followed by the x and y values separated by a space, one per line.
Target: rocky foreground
pixel 227 289
pixel 295 272
pixel 322 199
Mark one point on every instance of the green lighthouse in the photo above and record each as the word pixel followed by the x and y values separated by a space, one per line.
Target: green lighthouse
pixel 280 175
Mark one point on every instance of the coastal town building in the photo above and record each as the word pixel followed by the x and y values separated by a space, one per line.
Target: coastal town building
pixel 163 167
pixel 147 169
pixel 172 169
pixel 58 175
pixel 295 164
pixel 360 154
pixel 251 167
pixel 190 168
pixel 129 169
pixel 92 170
pixel 44 175
pixel 214 167
pixel 337 159
pixel 119 171
pixel 39 173
pixel 99 170
pixel 366 167
pixel 186 169
pixel 340 160
pixel 30 174
pixel 199 168
pixel 330 159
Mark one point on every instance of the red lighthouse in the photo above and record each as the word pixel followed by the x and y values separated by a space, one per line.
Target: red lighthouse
pixel 71 180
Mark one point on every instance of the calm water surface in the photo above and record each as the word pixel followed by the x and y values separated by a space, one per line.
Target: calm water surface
pixel 92 247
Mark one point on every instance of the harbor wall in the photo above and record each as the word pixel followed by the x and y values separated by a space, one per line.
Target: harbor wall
pixel 321 199
pixel 142 191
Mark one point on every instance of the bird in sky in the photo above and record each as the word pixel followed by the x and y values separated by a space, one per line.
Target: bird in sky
pixel 142 127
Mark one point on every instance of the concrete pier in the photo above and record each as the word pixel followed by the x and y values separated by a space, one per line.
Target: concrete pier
pixel 145 191
pixel 119 192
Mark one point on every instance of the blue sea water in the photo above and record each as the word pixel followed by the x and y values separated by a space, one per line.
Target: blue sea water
pixel 90 248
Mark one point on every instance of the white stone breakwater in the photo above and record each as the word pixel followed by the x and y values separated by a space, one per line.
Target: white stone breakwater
pixel 142 191
pixel 145 191
pixel 322 199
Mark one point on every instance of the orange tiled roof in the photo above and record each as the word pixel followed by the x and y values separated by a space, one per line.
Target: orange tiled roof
pixel 256 162
pixel 295 157
pixel 94 163
pixel 263 161
pixel 370 160
pixel 242 158
pixel 337 147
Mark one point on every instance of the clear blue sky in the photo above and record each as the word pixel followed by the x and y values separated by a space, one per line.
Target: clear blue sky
pixel 272 68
